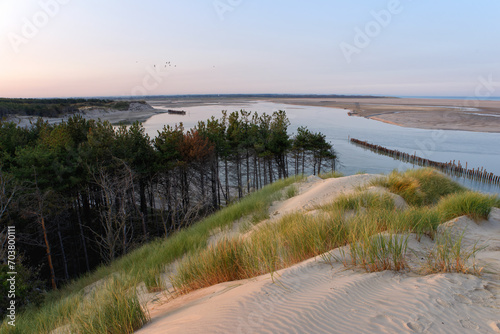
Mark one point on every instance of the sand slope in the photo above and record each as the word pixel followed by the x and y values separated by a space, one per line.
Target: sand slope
pixel 316 191
pixel 315 297
pixel 319 296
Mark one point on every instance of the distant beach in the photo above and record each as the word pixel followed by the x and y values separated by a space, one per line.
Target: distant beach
pixel 446 114
pixel 422 113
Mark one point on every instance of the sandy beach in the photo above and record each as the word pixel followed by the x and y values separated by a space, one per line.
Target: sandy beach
pixel 320 295
pixel 465 115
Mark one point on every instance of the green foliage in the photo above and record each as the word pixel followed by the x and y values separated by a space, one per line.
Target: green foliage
pixel 143 264
pixel 29 290
pixel 47 107
pixel 330 175
pixel 291 191
pixel 290 240
pixel 473 204
pixel 357 201
pixel 315 143
pixel 377 252
pixel 114 309
pixel 419 186
pixel 121 105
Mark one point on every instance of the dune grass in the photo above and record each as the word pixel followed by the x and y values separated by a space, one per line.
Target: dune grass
pixel 377 252
pixel 419 187
pixel 145 264
pixel 290 240
pixel 330 175
pixel 114 309
pixel 375 231
pixel 449 255
pixel 475 205
pixel 291 191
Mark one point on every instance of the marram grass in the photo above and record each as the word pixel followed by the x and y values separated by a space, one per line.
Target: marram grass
pixel 376 231
pixel 449 255
pixel 113 309
pixel 141 265
pixel 419 187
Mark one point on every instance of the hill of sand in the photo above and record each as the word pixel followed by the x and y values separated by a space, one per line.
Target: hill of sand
pixel 323 296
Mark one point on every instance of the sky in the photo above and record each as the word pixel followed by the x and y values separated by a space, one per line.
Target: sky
pixel 70 48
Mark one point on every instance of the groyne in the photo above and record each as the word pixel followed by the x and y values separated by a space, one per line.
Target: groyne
pixel 452 168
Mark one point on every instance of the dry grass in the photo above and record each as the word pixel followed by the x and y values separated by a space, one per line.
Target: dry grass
pixel 377 235
pixel 448 256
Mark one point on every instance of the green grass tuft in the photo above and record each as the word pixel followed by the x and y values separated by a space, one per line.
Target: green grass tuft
pixel 419 187
pixel 448 256
pixel 475 205
pixel 291 191
pixel 331 175
pixel 114 309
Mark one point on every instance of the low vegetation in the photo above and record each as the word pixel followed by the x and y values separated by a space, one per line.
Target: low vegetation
pixel 65 306
pixel 449 255
pixel 419 186
pixel 330 175
pixel 55 107
pixel 375 232
pixel 83 192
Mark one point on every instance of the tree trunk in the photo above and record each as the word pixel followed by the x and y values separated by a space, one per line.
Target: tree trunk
pixel 248 173
pixel 214 185
pixel 303 161
pixel 228 196
pixel 65 262
pixel 270 171
pixel 81 233
pixel 238 176
pixel 264 171
pixel 49 256
pixel 144 206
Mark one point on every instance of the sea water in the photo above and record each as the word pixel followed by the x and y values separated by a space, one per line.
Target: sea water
pixel 478 149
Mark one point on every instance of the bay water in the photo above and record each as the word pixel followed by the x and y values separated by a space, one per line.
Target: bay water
pixel 478 149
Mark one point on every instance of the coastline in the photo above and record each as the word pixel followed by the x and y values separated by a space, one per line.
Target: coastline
pixel 438 114
pixel 421 113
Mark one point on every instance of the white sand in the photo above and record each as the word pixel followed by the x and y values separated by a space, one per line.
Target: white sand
pixel 319 297
pixel 316 191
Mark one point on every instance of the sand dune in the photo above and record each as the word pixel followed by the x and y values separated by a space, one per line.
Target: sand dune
pixel 321 296
pixel 316 191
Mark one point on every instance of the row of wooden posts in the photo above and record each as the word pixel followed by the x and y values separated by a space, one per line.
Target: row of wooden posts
pixel 451 168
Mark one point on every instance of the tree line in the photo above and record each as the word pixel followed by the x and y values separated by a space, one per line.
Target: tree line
pixel 84 192
pixel 54 107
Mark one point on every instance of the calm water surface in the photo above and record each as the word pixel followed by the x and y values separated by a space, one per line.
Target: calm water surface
pixel 476 148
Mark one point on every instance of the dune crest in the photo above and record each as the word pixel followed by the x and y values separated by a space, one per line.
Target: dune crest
pixel 318 296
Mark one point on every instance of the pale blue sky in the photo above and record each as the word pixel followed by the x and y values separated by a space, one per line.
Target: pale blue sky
pixel 110 47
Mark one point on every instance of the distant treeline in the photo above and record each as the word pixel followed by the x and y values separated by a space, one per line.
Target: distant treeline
pixel 246 96
pixel 83 192
pixel 53 107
